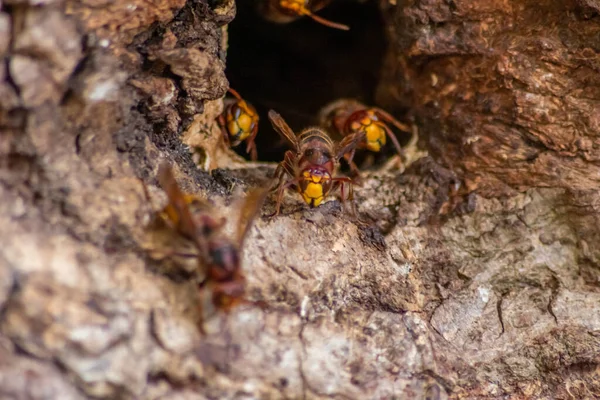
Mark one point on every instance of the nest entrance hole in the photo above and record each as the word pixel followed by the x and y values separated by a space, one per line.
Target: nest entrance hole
pixel 299 67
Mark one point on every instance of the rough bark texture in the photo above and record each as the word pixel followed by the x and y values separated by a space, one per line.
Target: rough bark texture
pixel 506 92
pixel 500 298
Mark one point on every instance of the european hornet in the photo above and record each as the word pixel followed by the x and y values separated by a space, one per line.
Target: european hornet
pixel 309 169
pixel 284 11
pixel 351 117
pixel 239 122
pixel 223 284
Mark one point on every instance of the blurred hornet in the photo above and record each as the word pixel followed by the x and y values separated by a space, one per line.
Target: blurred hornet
pixel 309 169
pixel 350 117
pixel 239 122
pixel 223 283
pixel 284 11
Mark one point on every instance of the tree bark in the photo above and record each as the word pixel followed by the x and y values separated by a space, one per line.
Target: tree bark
pixel 474 273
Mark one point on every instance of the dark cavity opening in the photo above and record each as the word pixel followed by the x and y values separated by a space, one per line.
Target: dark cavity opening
pixel 299 67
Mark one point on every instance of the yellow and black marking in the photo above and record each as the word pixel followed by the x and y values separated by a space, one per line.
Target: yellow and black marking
pixel 375 135
pixel 313 193
pixel 241 121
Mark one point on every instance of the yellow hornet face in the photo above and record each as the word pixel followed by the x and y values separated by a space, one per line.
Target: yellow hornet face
pixel 314 187
pixel 242 119
pixel 374 133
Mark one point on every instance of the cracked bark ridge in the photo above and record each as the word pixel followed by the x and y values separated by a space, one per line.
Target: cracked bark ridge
pixel 501 301
pixel 506 92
